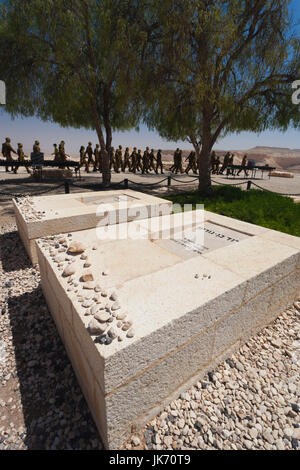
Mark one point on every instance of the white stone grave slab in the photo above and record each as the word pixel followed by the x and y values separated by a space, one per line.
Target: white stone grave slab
pixel 158 313
pixel 49 215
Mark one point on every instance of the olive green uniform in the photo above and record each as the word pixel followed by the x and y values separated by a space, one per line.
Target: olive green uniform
pixel 7 150
pixel 178 162
pixel 82 156
pixel 133 162
pixel 56 154
pixel 21 158
pixel 152 160
pixel 97 164
pixel 159 164
pixel 192 165
pixel 225 163
pixel 126 163
pixel 118 160
pixel 139 159
pixel 244 166
pixel 111 157
pixel 89 152
pixel 145 168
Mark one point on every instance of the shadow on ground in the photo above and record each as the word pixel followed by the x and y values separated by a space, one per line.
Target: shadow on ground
pixel 56 415
pixel 13 255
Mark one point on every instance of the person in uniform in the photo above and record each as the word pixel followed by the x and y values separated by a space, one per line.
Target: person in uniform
pixel 139 159
pixel 152 161
pixel 126 162
pixel 145 168
pixel 178 167
pixel 192 165
pixel 230 171
pixel 225 163
pixel 213 159
pixel 36 147
pixel 217 165
pixel 175 160
pixel 7 150
pixel 56 154
pixel 21 158
pixel 82 156
pixel 63 155
pixel 159 163
pixel 244 166
pixel 97 157
pixel 89 152
pixel 118 160
pixel 133 161
pixel 111 157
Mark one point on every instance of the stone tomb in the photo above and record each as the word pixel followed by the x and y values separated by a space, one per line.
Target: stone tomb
pixel 49 215
pixel 156 313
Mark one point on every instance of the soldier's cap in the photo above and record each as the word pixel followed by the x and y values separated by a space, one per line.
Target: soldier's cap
pixel 147 148
pixel 54 145
pixel 134 148
pixel 20 145
pixel 37 142
pixel 152 150
pixel 159 150
pixel 90 143
pixel 7 139
pixel 120 146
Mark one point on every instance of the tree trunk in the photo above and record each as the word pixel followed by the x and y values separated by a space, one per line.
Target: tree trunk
pixel 205 186
pixel 106 174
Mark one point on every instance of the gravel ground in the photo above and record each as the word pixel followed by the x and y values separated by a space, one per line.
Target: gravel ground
pixel 251 401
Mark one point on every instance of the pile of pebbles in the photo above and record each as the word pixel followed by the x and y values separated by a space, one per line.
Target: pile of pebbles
pixel 29 211
pixel 108 320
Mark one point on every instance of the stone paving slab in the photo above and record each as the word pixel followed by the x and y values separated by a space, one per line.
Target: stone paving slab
pixel 185 313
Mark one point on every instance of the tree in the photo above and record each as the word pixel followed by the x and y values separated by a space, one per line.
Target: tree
pixel 75 62
pixel 221 66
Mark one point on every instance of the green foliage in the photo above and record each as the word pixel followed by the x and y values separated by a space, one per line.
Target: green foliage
pixel 222 66
pixel 74 62
pixel 257 207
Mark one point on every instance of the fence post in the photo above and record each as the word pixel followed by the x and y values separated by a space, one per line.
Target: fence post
pixel 169 180
pixel 126 183
pixel 249 185
pixel 67 187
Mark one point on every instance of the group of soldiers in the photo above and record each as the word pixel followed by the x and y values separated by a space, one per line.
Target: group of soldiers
pixel 8 150
pixel 133 161
pixel 218 168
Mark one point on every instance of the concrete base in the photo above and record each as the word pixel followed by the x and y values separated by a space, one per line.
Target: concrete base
pixel 49 215
pixel 188 313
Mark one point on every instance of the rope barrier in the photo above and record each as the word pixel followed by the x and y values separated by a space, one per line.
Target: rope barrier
pixel 126 181
pixel 229 184
pixel 184 182
pixel 147 184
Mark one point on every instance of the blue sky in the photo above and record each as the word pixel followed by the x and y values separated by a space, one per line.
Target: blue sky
pixel 26 130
